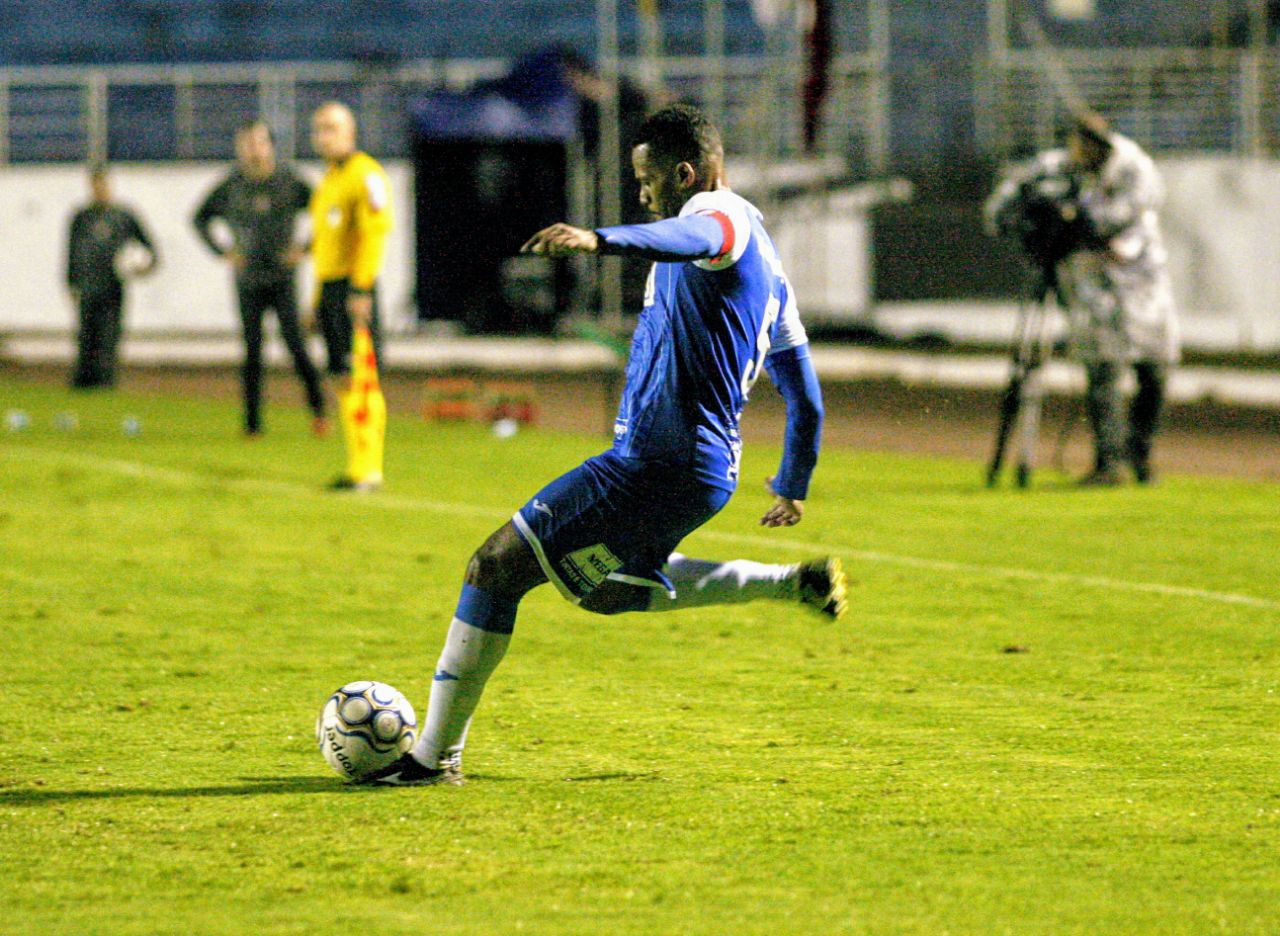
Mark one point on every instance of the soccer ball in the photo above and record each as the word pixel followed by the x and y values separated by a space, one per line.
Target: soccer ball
pixel 365 726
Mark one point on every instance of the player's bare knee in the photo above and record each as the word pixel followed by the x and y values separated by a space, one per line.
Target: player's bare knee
pixel 486 567
pixel 502 565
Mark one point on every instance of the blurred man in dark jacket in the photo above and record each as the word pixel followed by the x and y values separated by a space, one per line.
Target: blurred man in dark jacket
pixel 96 267
pixel 260 201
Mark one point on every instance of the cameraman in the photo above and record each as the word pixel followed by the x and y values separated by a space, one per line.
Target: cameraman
pixel 1087 215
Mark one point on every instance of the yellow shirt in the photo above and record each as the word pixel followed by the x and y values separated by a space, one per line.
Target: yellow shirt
pixel 350 220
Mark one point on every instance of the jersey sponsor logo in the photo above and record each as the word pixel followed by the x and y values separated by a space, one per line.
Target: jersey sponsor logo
pixel 375 187
pixel 587 568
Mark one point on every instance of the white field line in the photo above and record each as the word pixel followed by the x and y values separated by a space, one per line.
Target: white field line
pixel 1031 575
pixel 180 478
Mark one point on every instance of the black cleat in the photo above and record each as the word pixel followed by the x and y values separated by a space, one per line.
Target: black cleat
pixel 352 486
pixel 822 585
pixel 408 772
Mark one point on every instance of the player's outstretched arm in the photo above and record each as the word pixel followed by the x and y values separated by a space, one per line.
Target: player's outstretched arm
pixel 791 371
pixel 560 240
pixel 688 237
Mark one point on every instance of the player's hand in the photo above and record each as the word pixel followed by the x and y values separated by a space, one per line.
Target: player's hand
pixel 560 240
pixel 237 260
pixel 293 256
pixel 308 321
pixel 360 308
pixel 785 512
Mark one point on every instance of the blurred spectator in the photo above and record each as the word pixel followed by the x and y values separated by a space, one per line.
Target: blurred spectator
pixel 260 201
pixel 817 56
pixel 97 264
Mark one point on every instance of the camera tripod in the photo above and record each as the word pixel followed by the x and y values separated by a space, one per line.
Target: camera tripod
pixel 1023 399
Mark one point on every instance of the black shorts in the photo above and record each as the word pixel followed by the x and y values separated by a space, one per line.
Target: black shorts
pixel 335 325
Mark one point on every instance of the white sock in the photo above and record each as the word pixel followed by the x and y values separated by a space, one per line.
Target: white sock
pixel 701 582
pixel 469 657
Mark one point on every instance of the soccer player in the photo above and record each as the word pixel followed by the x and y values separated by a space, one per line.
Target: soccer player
pixel 260 201
pixel 718 310
pixel 351 218
pixel 99 232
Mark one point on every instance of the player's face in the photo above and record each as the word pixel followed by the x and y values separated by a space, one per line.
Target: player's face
pixel 333 134
pixel 255 150
pixel 661 193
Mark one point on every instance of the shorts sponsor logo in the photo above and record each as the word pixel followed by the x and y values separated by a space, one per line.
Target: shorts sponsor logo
pixel 587 568
pixel 542 508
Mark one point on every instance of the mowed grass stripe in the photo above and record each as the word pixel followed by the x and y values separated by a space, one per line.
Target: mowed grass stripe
pixel 384 501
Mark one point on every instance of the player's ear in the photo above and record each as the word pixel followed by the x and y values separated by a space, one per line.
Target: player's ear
pixel 686 175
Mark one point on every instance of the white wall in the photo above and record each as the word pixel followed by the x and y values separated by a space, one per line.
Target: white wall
pixel 192 290
pixel 1222 224
pixel 1221 221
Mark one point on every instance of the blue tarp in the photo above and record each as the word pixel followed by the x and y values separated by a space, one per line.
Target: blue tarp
pixel 533 103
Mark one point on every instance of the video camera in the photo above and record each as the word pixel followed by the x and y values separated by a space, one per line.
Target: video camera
pixel 1045 218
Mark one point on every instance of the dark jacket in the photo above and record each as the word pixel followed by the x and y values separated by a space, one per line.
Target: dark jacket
pixel 98 232
pixel 261 214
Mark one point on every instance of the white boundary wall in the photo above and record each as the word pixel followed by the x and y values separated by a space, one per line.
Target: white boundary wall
pixel 1222 225
pixel 1221 222
pixel 192 291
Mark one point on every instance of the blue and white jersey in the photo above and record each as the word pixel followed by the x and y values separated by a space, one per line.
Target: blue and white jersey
pixel 703 336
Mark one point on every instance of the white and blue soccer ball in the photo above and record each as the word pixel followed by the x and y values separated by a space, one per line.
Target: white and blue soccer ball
pixel 365 726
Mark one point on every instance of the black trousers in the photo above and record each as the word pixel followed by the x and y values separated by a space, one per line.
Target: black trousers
pixel 255 300
pixel 1119 435
pixel 98 340
pixel 335 325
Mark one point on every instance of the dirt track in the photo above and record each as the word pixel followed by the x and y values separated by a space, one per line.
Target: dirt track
pixel 880 416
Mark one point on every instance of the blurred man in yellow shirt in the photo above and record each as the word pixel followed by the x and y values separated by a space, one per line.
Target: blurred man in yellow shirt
pixel 350 220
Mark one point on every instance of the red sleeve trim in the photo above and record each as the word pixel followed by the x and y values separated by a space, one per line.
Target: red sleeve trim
pixel 726 229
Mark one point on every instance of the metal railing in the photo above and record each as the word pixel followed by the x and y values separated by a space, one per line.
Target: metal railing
pixel 129 113
pixel 1214 100
pixel 1203 100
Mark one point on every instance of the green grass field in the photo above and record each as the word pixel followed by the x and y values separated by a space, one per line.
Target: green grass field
pixel 1047 712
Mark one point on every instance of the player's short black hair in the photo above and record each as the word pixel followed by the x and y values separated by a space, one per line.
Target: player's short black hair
pixel 680 133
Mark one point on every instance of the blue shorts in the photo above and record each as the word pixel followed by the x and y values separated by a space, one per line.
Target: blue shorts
pixel 614 518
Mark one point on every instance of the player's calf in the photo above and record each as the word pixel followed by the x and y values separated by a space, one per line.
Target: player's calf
pixel 819 584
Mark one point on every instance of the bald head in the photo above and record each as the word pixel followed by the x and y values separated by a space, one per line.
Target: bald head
pixel 333 131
